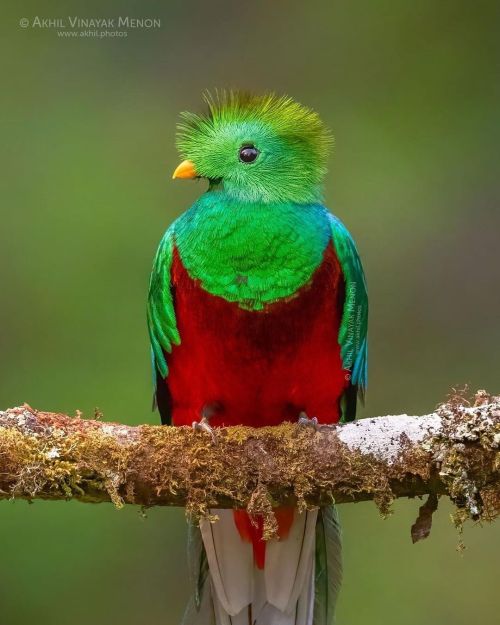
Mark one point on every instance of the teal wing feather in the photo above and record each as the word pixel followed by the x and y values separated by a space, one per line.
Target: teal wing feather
pixel 197 563
pixel 199 610
pixel 328 566
pixel 162 324
pixel 354 322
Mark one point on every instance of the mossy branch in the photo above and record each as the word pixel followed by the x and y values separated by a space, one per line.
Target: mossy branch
pixel 454 451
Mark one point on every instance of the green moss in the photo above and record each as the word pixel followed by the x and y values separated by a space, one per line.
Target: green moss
pixel 45 455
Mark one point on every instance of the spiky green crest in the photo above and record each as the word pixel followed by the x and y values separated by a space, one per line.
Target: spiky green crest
pixel 292 141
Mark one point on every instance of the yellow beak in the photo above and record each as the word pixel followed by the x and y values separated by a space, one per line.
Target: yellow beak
pixel 185 170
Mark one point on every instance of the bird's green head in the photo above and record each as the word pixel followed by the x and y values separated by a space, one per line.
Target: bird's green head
pixel 258 148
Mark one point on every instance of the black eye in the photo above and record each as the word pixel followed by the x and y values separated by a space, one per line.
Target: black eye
pixel 248 153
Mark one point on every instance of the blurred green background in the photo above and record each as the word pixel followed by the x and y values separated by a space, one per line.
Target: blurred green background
pixel 410 90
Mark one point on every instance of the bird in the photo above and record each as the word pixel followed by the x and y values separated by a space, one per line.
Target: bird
pixel 257 314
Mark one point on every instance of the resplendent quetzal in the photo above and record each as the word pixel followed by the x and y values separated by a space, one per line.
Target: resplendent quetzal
pixel 257 314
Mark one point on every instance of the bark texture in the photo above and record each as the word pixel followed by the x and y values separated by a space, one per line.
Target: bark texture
pixel 454 451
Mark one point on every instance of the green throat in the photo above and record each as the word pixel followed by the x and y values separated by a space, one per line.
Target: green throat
pixel 251 253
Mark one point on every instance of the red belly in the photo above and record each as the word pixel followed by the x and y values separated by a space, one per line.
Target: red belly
pixel 258 367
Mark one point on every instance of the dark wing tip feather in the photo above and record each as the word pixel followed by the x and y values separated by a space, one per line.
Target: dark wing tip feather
pixel 163 399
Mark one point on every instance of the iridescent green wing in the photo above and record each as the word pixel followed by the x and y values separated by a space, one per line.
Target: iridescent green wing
pixel 162 324
pixel 354 323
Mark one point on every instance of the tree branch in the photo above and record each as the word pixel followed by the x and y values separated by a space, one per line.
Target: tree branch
pixel 454 451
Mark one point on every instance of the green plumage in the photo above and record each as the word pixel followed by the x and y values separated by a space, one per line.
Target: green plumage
pixel 354 326
pixel 162 324
pixel 291 165
pixel 327 565
pixel 251 253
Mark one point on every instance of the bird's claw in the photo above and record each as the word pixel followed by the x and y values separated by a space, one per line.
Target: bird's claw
pixel 311 423
pixel 203 426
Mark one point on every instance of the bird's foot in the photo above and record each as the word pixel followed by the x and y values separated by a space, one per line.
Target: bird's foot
pixel 203 425
pixel 311 423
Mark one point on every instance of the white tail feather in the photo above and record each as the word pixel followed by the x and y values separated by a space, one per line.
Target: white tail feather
pixel 230 561
pixel 289 561
pixel 240 593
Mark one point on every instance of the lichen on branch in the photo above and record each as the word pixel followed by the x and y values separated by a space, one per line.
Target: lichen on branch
pixel 454 451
